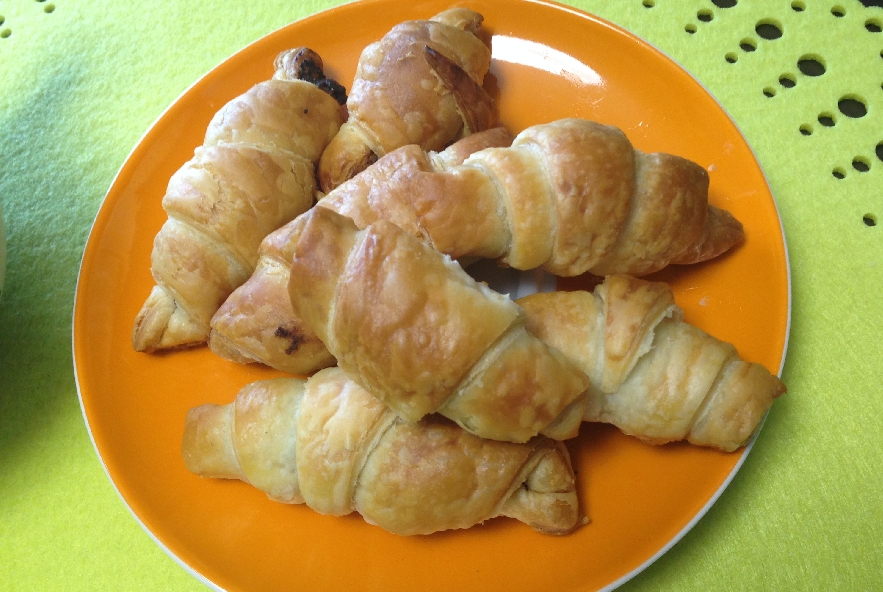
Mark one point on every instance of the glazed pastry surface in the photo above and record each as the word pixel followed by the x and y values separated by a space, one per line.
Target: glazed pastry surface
pixel 420 84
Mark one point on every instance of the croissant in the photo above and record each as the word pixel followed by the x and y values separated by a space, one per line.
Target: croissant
pixel 328 443
pixel 572 196
pixel 253 173
pixel 420 84
pixel 498 203
pixel 256 323
pixel 412 328
pixel 653 375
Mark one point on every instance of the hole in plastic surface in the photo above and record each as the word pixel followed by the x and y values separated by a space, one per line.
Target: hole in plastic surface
pixel 861 164
pixel 852 106
pixel 838 11
pixel 838 173
pixel 874 25
pixel 648 3
pixel 798 6
pixel 731 58
pixel 806 130
pixel 826 119
pixel 879 151
pixel 769 29
pixel 5 33
pixel 724 3
pixel 869 219
pixel 705 16
pixel 748 45
pixel 690 29
pixel 769 91
pixel 49 8
pixel 811 65
pixel 787 81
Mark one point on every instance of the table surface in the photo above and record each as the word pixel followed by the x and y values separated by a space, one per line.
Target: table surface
pixel 81 82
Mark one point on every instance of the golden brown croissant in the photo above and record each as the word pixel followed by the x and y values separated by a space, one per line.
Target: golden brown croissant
pixel 572 196
pixel 412 328
pixel 653 375
pixel 253 173
pixel 328 443
pixel 420 84
pixel 256 323
pixel 498 203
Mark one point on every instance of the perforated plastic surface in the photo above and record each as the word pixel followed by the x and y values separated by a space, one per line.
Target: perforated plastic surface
pixel 81 81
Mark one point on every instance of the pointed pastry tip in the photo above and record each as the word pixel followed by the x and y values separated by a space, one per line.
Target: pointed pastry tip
pixel 162 325
pixel 721 233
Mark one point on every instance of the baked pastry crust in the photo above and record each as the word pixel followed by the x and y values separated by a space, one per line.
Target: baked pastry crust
pixel 420 84
pixel 411 327
pixel 253 173
pixel 256 322
pixel 653 375
pixel 329 444
pixel 572 196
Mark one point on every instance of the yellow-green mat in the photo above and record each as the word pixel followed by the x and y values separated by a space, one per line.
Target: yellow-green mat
pixel 81 81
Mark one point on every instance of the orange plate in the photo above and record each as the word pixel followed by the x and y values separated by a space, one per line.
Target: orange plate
pixel 550 62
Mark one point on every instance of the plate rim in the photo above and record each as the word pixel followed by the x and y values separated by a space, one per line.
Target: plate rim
pixel 553 4
pixel 787 336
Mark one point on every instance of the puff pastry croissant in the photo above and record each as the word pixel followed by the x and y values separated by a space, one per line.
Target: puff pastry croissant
pixel 610 210
pixel 572 196
pixel 256 323
pixel 254 172
pixel 653 375
pixel 412 328
pixel 420 84
pixel 326 442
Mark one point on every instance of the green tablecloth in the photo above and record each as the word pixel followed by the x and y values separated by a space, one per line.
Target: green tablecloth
pixel 80 82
